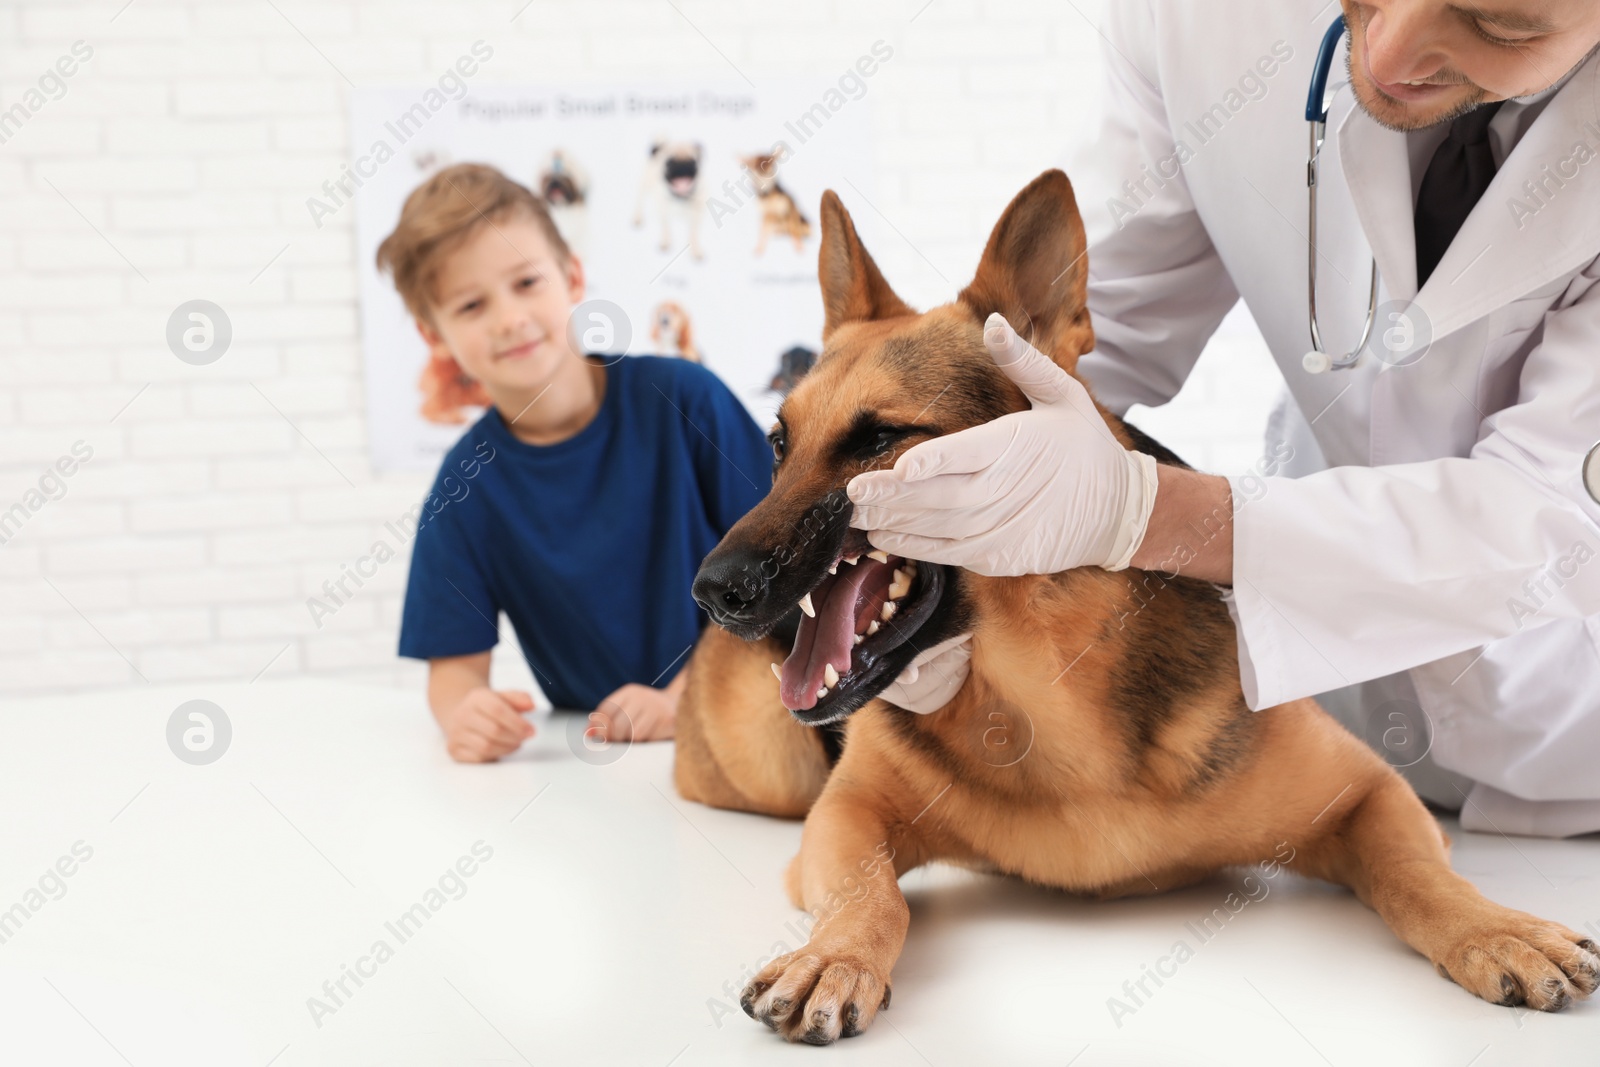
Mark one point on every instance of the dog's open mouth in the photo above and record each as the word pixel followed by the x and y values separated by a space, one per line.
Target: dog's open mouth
pixel 868 605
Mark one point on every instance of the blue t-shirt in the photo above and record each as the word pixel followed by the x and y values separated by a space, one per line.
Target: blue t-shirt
pixel 588 545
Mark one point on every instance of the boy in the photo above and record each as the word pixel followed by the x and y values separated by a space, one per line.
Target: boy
pixel 583 500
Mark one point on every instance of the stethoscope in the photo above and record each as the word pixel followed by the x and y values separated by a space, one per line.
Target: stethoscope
pixel 1591 473
pixel 1317 360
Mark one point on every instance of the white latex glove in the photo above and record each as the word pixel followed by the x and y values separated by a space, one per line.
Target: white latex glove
pixel 1033 492
pixel 929 681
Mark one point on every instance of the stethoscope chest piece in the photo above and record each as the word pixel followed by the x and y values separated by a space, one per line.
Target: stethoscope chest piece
pixel 1319 360
pixel 1591 473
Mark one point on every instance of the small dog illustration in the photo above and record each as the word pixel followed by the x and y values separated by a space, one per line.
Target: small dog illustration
pixel 672 332
pixel 446 389
pixel 779 213
pixel 564 187
pixel 672 180
pixel 792 366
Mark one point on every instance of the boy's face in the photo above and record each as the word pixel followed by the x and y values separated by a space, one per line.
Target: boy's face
pixel 501 306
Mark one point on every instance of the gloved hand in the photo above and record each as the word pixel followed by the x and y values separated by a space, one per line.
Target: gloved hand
pixel 1033 492
pixel 929 681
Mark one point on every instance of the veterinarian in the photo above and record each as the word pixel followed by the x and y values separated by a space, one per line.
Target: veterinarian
pixel 1420 535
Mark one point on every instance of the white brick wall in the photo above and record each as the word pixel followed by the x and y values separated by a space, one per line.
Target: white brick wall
pixel 176 166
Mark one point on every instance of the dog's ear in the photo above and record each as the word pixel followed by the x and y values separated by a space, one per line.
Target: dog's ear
pixel 853 289
pixel 1035 272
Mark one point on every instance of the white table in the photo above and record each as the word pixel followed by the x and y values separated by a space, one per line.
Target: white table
pixel 613 921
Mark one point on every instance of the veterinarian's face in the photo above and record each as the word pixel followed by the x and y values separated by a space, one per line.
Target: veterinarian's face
pixel 1415 63
pixel 503 304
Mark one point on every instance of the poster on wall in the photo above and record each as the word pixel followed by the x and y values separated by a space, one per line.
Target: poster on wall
pixel 693 206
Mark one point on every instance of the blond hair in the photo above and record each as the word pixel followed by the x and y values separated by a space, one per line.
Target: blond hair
pixel 442 213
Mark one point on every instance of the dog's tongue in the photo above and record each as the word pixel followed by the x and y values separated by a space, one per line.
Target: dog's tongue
pixel 829 637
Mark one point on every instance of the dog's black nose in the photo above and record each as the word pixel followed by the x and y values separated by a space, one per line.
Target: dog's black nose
pixel 729 584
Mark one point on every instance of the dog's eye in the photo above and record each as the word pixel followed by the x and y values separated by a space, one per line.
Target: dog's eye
pixel 780 445
pixel 884 440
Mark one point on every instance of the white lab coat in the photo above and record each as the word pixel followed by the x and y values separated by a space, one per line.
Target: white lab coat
pixel 1431 537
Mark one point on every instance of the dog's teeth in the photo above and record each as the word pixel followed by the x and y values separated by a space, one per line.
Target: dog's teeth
pixel 859 639
pixel 822 692
pixel 851 560
pixel 805 606
pixel 872 627
pixel 833 568
pixel 777 672
pixel 830 677
pixel 888 610
pixel 901 584
pixel 878 554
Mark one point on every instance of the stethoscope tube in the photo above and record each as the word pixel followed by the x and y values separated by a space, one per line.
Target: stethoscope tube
pixel 1318 360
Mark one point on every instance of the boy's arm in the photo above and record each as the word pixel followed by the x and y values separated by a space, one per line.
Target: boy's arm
pixel 479 723
pixel 451 677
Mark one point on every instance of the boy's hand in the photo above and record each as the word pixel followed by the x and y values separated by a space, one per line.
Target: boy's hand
pixel 634 713
pixel 485 725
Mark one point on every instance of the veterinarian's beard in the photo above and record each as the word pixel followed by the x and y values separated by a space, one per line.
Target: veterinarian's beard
pixel 1404 125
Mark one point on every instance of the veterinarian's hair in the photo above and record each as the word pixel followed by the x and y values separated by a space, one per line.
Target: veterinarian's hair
pixel 442 213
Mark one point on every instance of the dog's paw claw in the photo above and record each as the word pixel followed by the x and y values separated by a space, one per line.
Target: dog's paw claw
pixel 1554 994
pixel 818 1032
pixel 815 997
pixel 1511 958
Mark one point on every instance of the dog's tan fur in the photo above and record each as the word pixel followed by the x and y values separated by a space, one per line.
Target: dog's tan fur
pixel 1142 771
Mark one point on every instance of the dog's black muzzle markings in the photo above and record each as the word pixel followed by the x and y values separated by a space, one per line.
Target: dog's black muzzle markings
pixel 752 590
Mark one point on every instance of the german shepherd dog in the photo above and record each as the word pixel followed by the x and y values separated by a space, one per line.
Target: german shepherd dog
pixel 1137 765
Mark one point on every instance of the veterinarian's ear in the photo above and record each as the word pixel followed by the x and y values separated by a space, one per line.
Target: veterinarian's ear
pixel 1035 273
pixel 853 289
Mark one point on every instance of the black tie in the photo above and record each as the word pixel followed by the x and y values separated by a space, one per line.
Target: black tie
pixel 1461 170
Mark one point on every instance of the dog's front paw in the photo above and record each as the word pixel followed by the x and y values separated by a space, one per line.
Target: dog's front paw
pixel 1510 957
pixel 815 996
